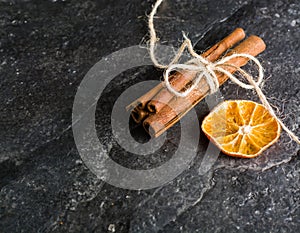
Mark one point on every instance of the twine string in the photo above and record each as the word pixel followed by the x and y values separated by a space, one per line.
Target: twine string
pixel 206 69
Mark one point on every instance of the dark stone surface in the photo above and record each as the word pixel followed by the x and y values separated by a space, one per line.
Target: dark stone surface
pixel 46 48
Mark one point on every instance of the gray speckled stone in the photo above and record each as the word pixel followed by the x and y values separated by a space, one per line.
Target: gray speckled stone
pixel 46 47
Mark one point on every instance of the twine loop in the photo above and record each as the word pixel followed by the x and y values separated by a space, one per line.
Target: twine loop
pixel 206 69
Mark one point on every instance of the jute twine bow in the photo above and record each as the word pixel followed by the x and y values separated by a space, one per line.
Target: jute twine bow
pixel 206 69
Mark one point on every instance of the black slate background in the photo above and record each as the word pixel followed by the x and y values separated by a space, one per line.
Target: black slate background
pixel 46 48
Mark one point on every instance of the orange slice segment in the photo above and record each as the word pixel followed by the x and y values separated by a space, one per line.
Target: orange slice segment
pixel 241 128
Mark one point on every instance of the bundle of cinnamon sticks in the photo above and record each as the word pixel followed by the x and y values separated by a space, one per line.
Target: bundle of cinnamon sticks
pixel 159 109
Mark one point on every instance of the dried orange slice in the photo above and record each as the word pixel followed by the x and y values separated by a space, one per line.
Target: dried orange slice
pixel 241 128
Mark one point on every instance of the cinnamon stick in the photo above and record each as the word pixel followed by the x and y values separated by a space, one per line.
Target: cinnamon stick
pixel 158 123
pixel 156 98
pixel 180 80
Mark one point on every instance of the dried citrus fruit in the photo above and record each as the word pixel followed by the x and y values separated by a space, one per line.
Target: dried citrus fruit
pixel 241 128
